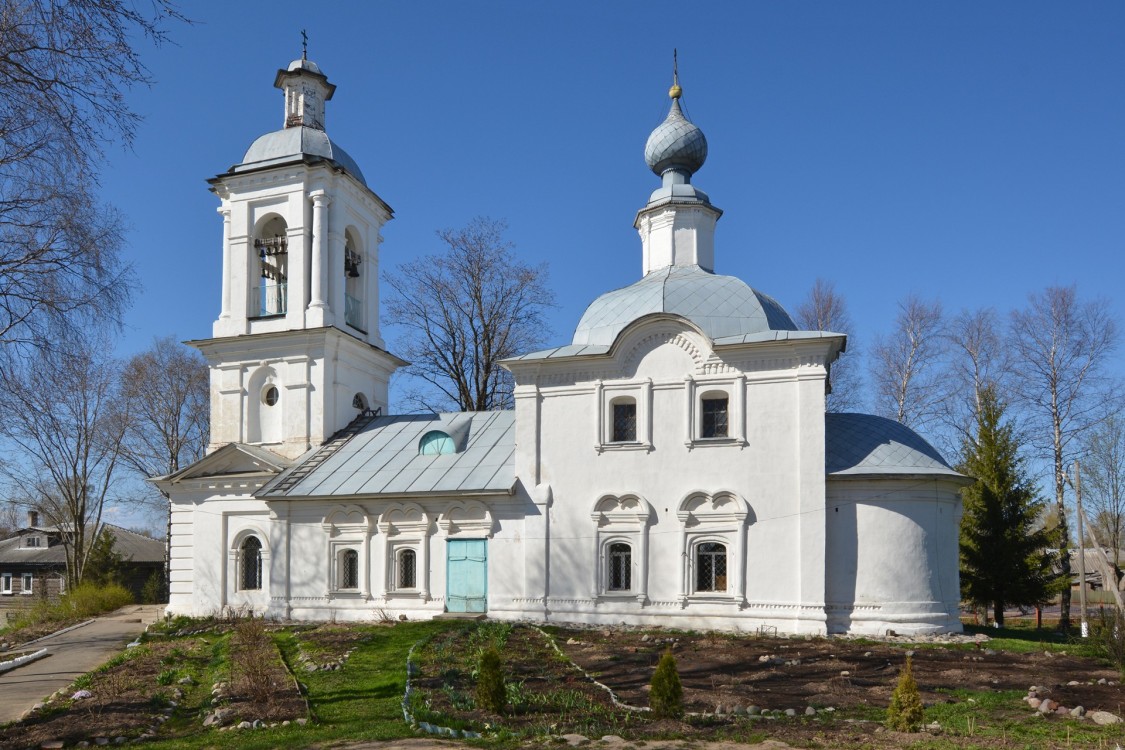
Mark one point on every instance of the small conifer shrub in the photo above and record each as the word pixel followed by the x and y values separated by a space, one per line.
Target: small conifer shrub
pixel 905 712
pixel 491 693
pixel 667 695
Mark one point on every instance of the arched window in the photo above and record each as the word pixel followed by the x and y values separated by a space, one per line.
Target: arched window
pixel 272 246
pixel 353 282
pixel 348 573
pixel 620 568
pixel 434 443
pixel 407 570
pixel 711 567
pixel 251 564
pixel 624 420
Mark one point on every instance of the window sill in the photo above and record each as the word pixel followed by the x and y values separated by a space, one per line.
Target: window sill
pixel 273 316
pixel 715 441
pixel 6 593
pixel 634 446
pixel 27 593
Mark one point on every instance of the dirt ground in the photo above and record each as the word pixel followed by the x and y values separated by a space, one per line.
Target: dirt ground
pixel 718 669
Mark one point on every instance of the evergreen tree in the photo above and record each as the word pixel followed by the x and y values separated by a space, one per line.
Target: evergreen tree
pixel 1004 552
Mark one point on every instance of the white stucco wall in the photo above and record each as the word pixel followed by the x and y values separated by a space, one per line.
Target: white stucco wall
pixel 893 544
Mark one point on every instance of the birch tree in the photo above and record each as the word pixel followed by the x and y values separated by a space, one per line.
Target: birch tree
pixel 463 310
pixel 1061 345
pixel 825 309
pixel 905 364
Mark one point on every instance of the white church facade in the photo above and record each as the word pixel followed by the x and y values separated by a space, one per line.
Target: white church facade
pixel 673 465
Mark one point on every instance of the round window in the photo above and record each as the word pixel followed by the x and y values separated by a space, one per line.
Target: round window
pixel 270 396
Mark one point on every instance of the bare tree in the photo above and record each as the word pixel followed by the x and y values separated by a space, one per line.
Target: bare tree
pixel 976 360
pixel 826 310
pixel 905 364
pixel 464 310
pixel 1103 482
pixel 65 67
pixel 64 440
pixel 1060 379
pixel 165 406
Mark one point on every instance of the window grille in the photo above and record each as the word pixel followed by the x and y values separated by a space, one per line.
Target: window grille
pixel 407 572
pixel 620 567
pixel 349 569
pixel 251 564
pixel 625 422
pixel 711 567
pixel 714 417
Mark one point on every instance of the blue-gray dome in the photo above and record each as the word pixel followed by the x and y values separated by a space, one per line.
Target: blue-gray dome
pixel 295 143
pixel 719 305
pixel 676 143
pixel 865 445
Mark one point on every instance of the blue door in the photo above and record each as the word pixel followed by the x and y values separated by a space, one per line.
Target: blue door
pixel 466 575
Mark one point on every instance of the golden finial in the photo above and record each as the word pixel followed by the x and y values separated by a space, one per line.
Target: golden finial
pixel 675 92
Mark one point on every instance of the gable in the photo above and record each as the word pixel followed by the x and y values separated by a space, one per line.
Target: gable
pixel 232 460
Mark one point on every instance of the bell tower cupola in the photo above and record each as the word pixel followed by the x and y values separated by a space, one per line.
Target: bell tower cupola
pixel 296 350
pixel 677 226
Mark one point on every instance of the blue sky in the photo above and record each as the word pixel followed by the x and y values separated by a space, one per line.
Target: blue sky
pixel 969 151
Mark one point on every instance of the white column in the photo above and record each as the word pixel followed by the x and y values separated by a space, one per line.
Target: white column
pixel 425 567
pixel 599 422
pixel 319 270
pixel 642 563
pixel 224 210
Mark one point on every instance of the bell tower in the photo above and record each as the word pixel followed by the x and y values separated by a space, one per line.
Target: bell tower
pixel 296 352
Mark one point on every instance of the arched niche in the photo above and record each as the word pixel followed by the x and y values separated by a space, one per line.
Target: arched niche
pixel 714 518
pixel 406 526
pixel 347 528
pixel 355 271
pixel 269 279
pixel 621 518
pixel 265 403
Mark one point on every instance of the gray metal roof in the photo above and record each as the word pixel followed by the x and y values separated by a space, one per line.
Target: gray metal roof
pixel 129 544
pixel 295 143
pixel 722 306
pixel 383 459
pixel 864 445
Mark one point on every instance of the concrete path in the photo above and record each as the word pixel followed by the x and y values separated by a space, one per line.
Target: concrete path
pixel 71 654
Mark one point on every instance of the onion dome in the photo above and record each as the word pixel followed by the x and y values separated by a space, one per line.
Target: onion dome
pixel 676 143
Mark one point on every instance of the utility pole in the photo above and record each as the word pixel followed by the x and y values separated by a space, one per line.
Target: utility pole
pixel 1081 551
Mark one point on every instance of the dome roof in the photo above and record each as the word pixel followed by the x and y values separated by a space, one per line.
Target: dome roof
pixel 863 445
pixel 676 142
pixel 304 64
pixel 720 305
pixel 296 143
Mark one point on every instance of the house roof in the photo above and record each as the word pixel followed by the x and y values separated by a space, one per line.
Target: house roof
pixel 866 445
pixel 383 458
pixel 129 544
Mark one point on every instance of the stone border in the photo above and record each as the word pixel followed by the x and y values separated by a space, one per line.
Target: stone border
pixel 425 726
pixel 67 629
pixel 19 661
pixel 612 696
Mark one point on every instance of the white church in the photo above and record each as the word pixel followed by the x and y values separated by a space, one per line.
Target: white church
pixel 673 465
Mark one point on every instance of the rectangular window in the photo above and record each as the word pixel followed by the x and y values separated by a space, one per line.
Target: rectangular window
pixel 714 418
pixel 6 583
pixel 33 541
pixel 625 422
pixel 26 588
